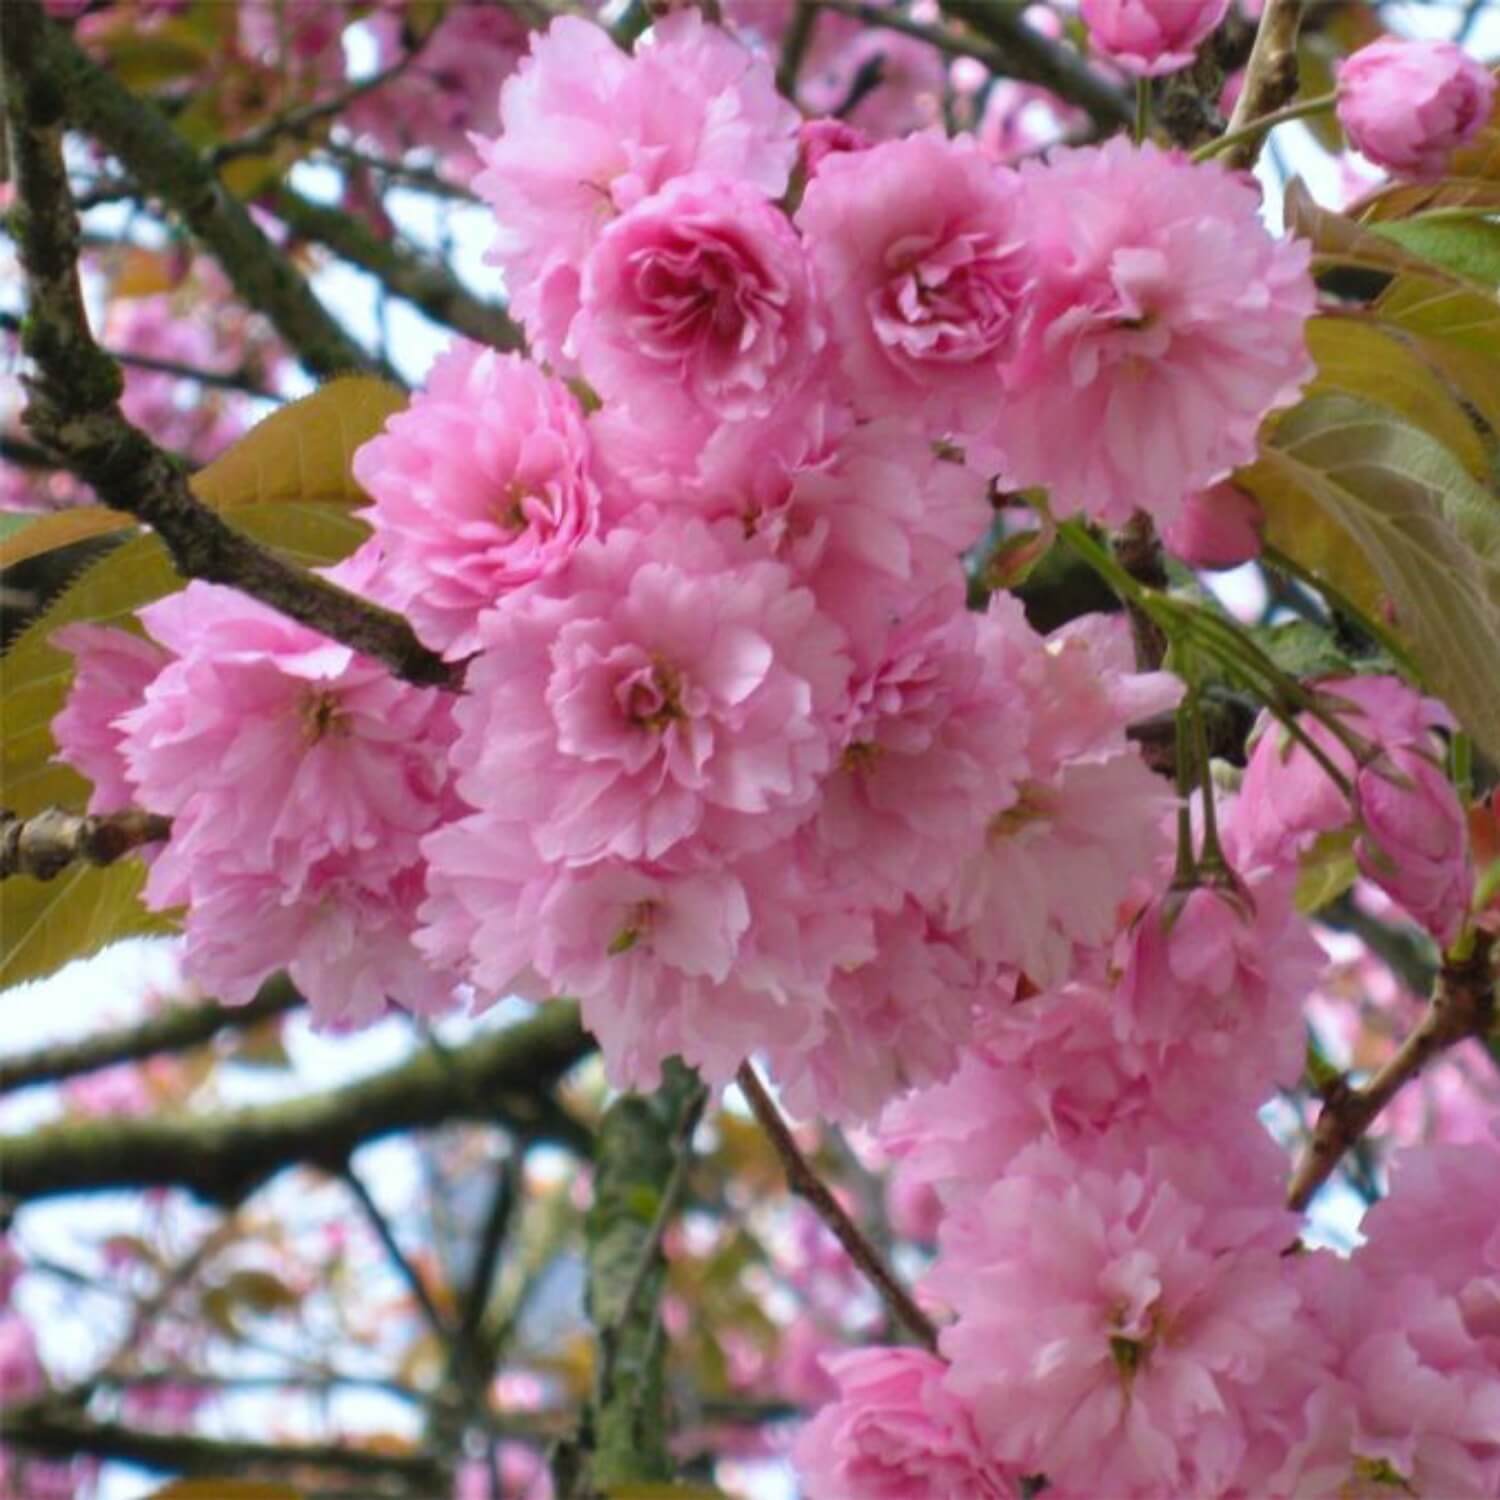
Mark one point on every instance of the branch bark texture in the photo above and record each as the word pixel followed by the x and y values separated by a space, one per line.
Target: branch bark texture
pixel 44 845
pixel 1463 1006
pixel 73 406
pixel 505 1077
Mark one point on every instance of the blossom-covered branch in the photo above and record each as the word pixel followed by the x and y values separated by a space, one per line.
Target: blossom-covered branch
pixel 505 1077
pixel 45 844
pixel 1463 1006
pixel 73 405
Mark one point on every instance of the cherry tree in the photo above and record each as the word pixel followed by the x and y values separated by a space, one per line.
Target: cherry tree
pixel 872 638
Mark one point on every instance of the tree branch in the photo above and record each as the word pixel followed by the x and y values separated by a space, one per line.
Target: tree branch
pixel 425 284
pixel 222 1157
pixel 58 1431
pixel 1034 58
pixel 807 1185
pixel 1463 1006
pixel 50 64
pixel 45 844
pixel 73 404
pixel 1270 77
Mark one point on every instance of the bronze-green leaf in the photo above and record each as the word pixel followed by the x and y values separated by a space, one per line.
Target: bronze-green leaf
pixel 1424 527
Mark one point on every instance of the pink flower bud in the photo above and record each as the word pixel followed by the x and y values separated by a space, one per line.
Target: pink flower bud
pixel 1150 37
pixel 823 138
pixel 1216 528
pixel 1415 840
pixel 1406 105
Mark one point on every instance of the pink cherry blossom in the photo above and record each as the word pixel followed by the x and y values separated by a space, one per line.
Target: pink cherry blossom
pixel 905 94
pixel 1414 841
pixel 661 699
pixel 300 778
pixel 483 483
pixel 1223 972
pixel 1164 324
pixel 697 303
pixel 868 515
pixel 933 743
pixel 895 1433
pixel 1113 1329
pixel 1054 863
pixel 588 131
pixel 112 669
pixel 1216 528
pixel 893 1023
pixel 1412 835
pixel 919 247
pixel 1407 105
pixel 1150 37
pixel 1406 1403
pixel 822 138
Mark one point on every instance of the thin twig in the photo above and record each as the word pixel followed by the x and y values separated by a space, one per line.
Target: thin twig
pixel 398 1257
pixel 1270 78
pixel 806 1183
pixel 1463 1006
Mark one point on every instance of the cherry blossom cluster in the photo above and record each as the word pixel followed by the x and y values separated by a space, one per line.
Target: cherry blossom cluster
pixel 736 765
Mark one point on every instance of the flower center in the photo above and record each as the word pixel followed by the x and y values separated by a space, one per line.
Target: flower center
pixel 651 697
pixel 1033 804
pixel 636 924
pixel 321 717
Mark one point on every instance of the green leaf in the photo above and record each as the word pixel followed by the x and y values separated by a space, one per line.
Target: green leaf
pixel 48 924
pixel 1468 247
pixel 1302 649
pixel 1357 355
pixel 1428 532
pixel 1326 870
pixel 303 453
pixel 1436 306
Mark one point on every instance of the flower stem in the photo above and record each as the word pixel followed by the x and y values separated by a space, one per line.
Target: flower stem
pixel 1320 104
pixel 1142 129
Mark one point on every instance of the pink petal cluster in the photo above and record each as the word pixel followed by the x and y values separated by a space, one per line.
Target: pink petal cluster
pixel 1412 834
pixel 920 250
pixel 697 303
pixel 300 778
pixel 1164 323
pixel 895 1433
pixel 1150 37
pixel 1216 528
pixel 111 670
pixel 588 132
pixel 1408 105
pixel 484 483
